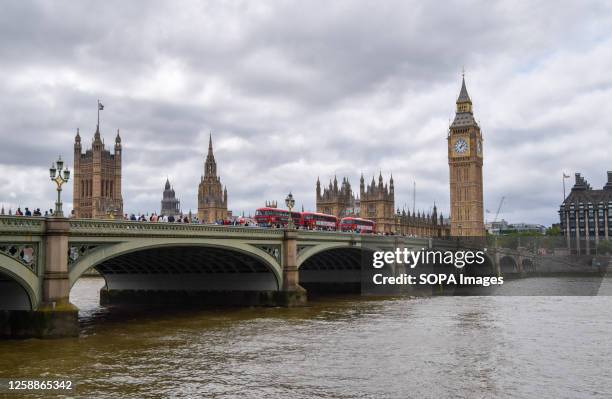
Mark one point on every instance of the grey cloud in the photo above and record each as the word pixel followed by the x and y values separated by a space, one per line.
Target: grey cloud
pixel 295 90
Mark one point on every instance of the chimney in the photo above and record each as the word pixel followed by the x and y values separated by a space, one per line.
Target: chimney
pixel 581 184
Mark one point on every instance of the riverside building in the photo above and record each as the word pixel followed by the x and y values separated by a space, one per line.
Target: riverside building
pixel 586 216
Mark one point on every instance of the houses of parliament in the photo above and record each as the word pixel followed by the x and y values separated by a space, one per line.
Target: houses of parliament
pixel 97 184
pixel 96 190
pixel 376 201
pixel 97 187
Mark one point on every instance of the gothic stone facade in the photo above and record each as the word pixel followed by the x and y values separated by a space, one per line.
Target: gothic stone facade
pixel 97 179
pixel 420 224
pixel 586 216
pixel 338 201
pixel 212 198
pixel 465 158
pixel 170 205
pixel 376 202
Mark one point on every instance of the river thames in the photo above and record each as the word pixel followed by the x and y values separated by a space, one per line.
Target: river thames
pixel 347 347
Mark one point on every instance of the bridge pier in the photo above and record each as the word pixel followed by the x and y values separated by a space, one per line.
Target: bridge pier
pixel 61 317
pixel 520 258
pixel 497 263
pixel 291 294
pixel 55 316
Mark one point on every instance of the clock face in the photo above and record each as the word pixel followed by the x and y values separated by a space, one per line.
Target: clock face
pixel 461 146
pixel 479 147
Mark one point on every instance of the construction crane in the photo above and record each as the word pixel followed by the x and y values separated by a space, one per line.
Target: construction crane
pixel 501 202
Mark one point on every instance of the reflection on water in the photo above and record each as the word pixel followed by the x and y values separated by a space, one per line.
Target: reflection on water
pixel 510 347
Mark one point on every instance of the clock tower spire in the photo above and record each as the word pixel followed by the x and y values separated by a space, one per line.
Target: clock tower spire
pixel 465 160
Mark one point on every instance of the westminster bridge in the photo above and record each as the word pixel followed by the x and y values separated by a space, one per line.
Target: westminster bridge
pixel 161 263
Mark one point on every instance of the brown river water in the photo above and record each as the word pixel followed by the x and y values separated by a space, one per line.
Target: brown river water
pixel 342 347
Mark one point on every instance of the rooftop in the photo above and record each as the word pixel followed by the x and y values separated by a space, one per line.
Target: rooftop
pixel 583 192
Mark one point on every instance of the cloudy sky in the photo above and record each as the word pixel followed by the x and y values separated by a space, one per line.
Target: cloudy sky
pixel 296 90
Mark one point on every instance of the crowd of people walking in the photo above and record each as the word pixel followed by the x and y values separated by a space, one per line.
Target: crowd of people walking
pixel 26 212
pixel 141 217
pixel 155 218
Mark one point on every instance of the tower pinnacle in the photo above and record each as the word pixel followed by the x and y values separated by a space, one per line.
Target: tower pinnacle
pixel 210 165
pixel 463 94
pixel 464 115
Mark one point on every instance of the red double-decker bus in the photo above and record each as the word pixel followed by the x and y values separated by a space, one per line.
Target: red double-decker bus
pixel 357 225
pixel 276 217
pixel 318 221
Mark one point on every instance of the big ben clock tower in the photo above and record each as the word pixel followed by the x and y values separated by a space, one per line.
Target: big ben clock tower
pixel 465 168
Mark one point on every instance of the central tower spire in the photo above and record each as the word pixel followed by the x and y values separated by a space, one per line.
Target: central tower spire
pixel 210 166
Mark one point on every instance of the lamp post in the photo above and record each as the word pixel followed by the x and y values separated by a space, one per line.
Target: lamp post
pixel 290 202
pixel 59 175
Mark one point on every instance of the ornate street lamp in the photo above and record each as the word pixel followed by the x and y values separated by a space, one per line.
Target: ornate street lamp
pixel 290 202
pixel 59 175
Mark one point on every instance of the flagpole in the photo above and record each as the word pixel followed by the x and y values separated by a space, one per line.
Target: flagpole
pixel 563 187
pixel 98 114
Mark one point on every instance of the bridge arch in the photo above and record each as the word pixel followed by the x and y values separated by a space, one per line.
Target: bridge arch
pixel 490 264
pixel 508 264
pixel 528 265
pixel 333 268
pixel 157 258
pixel 487 268
pixel 315 250
pixel 19 287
